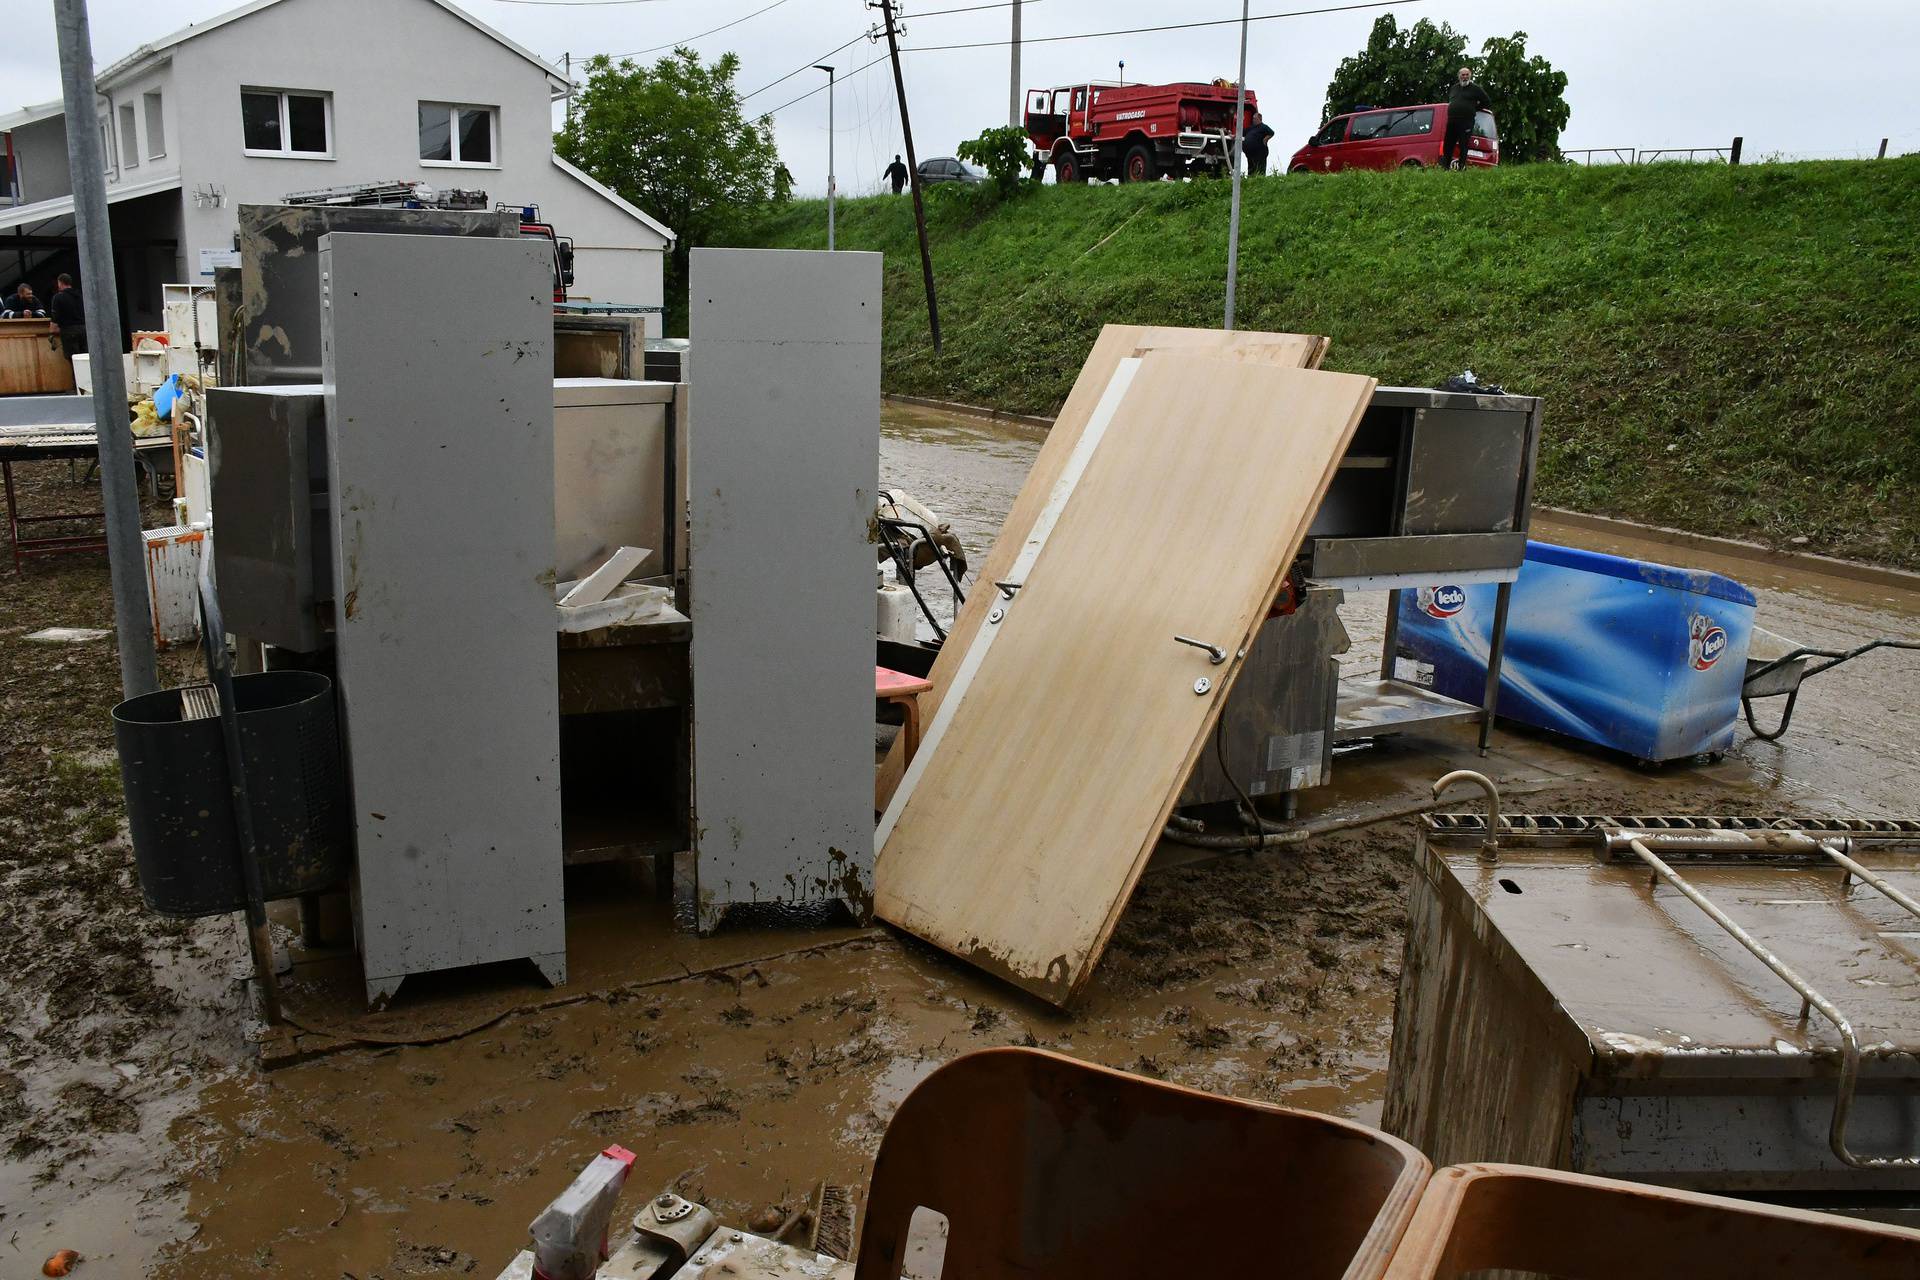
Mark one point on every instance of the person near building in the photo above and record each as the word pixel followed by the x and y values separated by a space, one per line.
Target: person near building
pixel 22 304
pixel 66 311
pixel 1463 102
pixel 897 175
pixel 1253 145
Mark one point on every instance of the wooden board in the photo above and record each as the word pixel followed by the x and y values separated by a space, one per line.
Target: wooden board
pixel 1044 779
pixel 1116 342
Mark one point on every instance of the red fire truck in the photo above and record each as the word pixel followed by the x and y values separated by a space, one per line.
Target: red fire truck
pixel 1133 132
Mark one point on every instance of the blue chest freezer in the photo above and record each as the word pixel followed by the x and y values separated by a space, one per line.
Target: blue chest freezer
pixel 1643 658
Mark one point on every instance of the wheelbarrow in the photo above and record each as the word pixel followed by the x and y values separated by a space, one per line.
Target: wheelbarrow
pixel 1780 674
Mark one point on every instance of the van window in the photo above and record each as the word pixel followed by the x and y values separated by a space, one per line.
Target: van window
pixel 1483 125
pixel 1411 123
pixel 1330 133
pixel 1371 125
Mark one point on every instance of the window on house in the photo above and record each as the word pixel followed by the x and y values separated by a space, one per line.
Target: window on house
pixel 286 122
pixel 156 126
pixel 106 146
pixel 129 141
pixel 451 133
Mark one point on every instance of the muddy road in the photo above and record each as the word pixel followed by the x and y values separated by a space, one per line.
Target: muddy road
pixel 135 1128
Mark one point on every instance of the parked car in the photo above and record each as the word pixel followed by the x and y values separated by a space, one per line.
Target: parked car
pixel 1393 138
pixel 947 169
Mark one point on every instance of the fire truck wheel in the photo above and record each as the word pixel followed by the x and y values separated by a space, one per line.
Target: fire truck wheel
pixel 1140 165
pixel 1066 171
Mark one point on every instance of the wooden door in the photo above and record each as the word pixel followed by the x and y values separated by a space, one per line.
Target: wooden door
pixel 1116 343
pixel 1073 717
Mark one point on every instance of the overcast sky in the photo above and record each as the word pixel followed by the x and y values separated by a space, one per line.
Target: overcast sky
pixel 1803 80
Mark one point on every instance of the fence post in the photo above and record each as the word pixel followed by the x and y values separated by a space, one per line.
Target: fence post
pixel 1734 156
pixel 1883 150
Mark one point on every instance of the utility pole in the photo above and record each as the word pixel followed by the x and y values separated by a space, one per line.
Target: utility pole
pixel 829 71
pixel 913 169
pixel 1013 80
pixel 567 60
pixel 1239 133
pixel 120 498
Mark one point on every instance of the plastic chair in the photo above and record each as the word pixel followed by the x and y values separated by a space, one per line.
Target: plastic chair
pixel 1481 1217
pixel 1051 1169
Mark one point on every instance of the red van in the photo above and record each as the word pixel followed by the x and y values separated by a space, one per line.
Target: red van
pixel 1392 138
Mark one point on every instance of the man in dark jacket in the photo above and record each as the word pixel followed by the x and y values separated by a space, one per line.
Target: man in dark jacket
pixel 69 315
pixel 896 174
pixel 1463 101
pixel 22 305
pixel 1253 145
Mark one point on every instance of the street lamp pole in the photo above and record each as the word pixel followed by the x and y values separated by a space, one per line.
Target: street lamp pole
pixel 1239 133
pixel 830 182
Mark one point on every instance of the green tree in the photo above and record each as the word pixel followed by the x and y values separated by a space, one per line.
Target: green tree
pixel 1419 63
pixel 1003 152
pixel 672 139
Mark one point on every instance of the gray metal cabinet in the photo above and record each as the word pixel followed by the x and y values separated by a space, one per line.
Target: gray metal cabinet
pixel 438 358
pixel 783 462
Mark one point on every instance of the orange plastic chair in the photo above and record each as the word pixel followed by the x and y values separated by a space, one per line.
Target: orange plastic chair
pixel 1480 1217
pixel 1052 1169
pixel 903 691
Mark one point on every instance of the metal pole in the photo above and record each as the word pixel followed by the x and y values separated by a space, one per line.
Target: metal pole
pixel 1239 133
pixel 1733 156
pixel 913 173
pixel 1013 73
pixel 120 496
pixel 830 182
pixel 1883 150
pixel 567 58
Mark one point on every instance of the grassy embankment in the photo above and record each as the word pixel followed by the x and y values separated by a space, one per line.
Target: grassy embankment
pixel 1732 351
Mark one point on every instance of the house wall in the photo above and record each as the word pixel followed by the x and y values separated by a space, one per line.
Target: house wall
pixel 40 152
pixel 331 46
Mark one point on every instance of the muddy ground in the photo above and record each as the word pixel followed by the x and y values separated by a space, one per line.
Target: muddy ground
pixel 135 1127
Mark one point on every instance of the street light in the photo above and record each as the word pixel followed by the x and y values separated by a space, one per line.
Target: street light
pixel 1239 134
pixel 830 184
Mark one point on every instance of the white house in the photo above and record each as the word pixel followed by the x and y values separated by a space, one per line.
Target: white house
pixel 281 96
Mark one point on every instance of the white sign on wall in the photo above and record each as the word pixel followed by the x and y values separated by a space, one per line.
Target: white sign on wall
pixel 212 258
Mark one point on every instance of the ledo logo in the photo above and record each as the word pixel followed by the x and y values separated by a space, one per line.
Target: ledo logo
pixel 1442 602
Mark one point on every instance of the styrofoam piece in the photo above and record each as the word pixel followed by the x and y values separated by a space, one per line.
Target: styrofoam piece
pixel 599 584
pixel 570 1235
pixel 67 635
pixel 630 602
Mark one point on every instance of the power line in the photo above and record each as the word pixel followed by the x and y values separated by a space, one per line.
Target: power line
pixel 822 88
pixel 811 64
pixel 674 44
pixel 1171 26
pixel 587 4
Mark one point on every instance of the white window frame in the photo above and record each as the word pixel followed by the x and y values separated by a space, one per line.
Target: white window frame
pixel 453 134
pixel 286 127
pixel 128 125
pixel 153 108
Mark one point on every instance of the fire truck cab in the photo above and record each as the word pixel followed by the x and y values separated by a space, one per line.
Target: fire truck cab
pixel 1133 132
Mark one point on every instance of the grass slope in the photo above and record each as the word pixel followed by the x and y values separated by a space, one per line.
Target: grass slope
pixel 1730 350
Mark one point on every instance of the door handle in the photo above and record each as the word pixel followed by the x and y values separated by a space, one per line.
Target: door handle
pixel 1215 654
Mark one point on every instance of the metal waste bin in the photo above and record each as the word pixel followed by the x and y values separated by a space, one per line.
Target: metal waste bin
pixel 180 806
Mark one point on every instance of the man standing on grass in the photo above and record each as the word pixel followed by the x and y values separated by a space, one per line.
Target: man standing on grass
pixel 897 175
pixel 1253 145
pixel 1463 102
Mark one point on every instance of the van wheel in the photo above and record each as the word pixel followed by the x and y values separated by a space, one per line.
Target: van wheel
pixel 1299 168
pixel 1066 170
pixel 1140 165
pixel 1411 164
